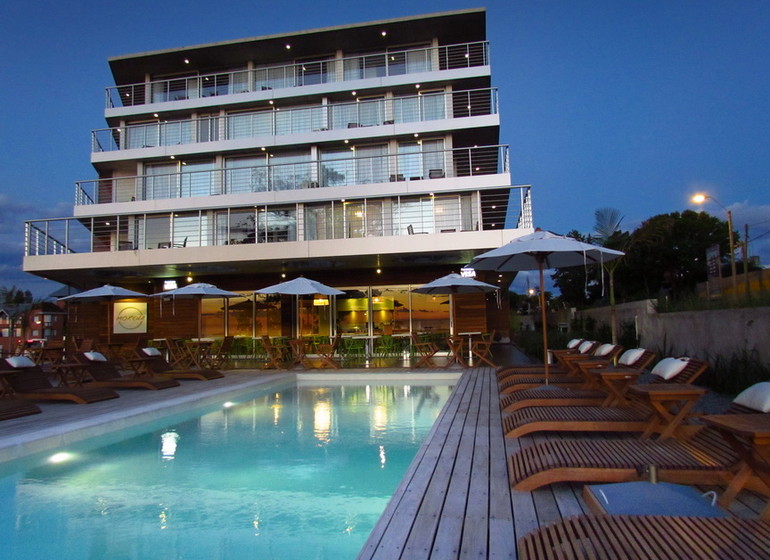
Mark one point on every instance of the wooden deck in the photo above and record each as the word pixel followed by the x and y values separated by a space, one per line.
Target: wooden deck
pixel 455 500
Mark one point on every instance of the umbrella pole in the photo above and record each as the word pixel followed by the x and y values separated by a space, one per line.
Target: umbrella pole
pixel 544 325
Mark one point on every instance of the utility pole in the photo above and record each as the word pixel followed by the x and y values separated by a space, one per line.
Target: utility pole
pixel 747 283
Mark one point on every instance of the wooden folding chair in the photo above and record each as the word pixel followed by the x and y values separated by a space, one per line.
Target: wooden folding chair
pixel 482 349
pixel 425 350
pixel 274 354
pixel 328 352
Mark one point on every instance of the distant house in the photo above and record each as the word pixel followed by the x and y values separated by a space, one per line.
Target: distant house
pixel 27 323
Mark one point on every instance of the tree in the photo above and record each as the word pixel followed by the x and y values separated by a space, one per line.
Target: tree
pixel 14 295
pixel 608 233
pixel 667 254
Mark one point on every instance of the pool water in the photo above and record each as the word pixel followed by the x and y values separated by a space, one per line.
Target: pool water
pixel 302 472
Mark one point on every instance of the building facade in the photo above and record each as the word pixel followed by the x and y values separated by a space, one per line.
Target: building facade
pixel 364 156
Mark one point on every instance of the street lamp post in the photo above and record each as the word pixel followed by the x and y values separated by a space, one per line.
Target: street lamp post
pixel 700 199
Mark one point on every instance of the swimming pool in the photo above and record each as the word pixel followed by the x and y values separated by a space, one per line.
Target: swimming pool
pixel 294 472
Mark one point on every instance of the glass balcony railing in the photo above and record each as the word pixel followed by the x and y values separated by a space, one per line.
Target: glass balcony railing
pixel 277 121
pixel 336 169
pixel 445 213
pixel 374 65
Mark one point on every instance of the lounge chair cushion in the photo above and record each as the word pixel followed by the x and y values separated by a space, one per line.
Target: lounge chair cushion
pixel 151 351
pixel 574 342
pixel 604 349
pixel 585 346
pixel 95 356
pixel 20 362
pixel 756 397
pixel 668 368
pixel 631 356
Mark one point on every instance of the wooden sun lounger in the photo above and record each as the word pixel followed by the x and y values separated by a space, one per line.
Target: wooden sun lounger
pixel 640 537
pixel 14 408
pixel 705 458
pixel 560 366
pixel 561 395
pixel 157 365
pixel 592 418
pixel 569 372
pixel 32 383
pixel 106 374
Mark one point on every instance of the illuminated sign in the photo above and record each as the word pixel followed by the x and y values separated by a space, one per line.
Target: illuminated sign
pixel 129 317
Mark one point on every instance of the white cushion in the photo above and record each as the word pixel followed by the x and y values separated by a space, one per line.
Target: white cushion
pixel 586 346
pixel 631 356
pixel 756 397
pixel 95 356
pixel 604 349
pixel 668 368
pixel 20 362
pixel 574 342
pixel 151 351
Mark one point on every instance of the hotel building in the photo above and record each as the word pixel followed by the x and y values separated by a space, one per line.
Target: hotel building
pixel 365 156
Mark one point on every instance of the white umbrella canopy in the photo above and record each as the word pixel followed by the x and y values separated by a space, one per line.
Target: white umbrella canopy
pixel 538 251
pixel 104 293
pixel 454 284
pixel 301 286
pixel 198 290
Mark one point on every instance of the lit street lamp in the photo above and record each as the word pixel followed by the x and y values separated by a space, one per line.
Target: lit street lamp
pixel 700 198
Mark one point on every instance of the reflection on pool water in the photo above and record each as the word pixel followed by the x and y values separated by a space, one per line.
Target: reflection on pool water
pixel 296 473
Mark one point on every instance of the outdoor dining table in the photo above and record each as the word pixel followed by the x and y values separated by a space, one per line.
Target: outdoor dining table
pixel 670 403
pixel 199 351
pixel 298 352
pixel 470 336
pixel 749 436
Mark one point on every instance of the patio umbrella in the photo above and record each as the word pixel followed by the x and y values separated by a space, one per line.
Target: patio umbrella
pixel 538 251
pixel 106 293
pixel 198 290
pixel 301 286
pixel 454 284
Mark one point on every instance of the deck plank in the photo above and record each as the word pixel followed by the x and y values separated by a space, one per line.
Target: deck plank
pixel 455 501
pixel 398 516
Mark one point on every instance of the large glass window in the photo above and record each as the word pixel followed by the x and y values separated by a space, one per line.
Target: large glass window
pixel 247 174
pixel 318 221
pixel 422 159
pixel 276 224
pixel 335 167
pixel 197 179
pixel 161 181
pixel 424 107
pixel 235 227
pixel 248 125
pixel 289 171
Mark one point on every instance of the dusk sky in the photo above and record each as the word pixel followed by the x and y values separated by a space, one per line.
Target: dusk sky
pixel 634 105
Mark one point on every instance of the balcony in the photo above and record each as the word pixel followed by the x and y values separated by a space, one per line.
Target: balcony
pixel 332 170
pixel 278 121
pixel 332 70
pixel 453 214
